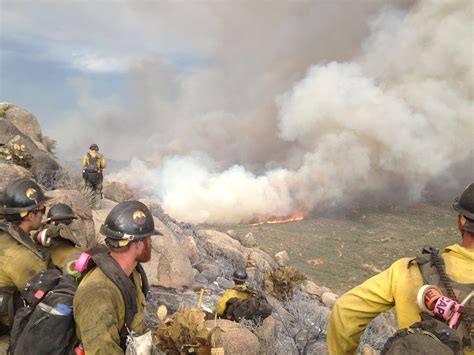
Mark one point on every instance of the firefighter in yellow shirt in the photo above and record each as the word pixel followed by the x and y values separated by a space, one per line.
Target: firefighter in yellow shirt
pixel 93 165
pixel 398 287
pixel 239 291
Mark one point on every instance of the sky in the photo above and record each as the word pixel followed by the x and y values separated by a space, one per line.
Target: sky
pixel 238 111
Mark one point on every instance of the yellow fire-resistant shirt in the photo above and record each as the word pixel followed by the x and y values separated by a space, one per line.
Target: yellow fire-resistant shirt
pixel 397 286
pixel 18 264
pixel 100 162
pixel 238 291
pixel 99 313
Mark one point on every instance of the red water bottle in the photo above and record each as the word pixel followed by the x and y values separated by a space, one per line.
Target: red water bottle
pixel 79 350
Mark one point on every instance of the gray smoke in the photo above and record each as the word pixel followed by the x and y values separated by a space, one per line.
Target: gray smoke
pixel 293 107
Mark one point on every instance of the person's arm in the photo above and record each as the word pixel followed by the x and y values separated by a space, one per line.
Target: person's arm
pixel 85 161
pixel 356 308
pixel 23 265
pixel 102 162
pixel 96 309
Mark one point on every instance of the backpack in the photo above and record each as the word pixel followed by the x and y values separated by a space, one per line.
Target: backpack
pixel 432 336
pixel 427 337
pixel 256 308
pixel 46 323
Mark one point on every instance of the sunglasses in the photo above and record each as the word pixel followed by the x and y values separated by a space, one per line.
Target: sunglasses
pixel 42 210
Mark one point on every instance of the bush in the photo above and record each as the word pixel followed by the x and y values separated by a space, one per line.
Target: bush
pixel 281 282
pixel 17 154
pixel 185 333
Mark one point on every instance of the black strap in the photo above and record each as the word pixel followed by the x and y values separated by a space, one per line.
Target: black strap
pixel 115 273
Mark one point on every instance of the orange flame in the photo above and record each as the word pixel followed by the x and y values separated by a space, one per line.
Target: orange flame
pixel 292 218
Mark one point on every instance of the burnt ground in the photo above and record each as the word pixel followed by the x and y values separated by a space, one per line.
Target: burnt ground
pixel 340 252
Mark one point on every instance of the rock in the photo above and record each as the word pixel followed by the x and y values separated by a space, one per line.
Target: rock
pixel 325 289
pixel 11 172
pixel 231 232
pixel 251 272
pixel 266 331
pixel 210 275
pixel 224 283
pixel 117 191
pixel 169 266
pixel 25 122
pixel 329 299
pixel 219 244
pixel 83 228
pixel 249 240
pixel 235 339
pixel 190 249
pixel 282 258
pixel 312 289
pixel 100 215
pixel 170 227
pixel 259 259
pixel 208 266
pixel 201 279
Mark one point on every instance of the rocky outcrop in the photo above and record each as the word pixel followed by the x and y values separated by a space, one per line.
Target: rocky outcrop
pixel 169 266
pixel 18 126
pixel 236 339
pixel 117 191
pixel 10 172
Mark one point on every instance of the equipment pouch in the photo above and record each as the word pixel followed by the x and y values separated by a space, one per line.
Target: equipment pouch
pixel 139 344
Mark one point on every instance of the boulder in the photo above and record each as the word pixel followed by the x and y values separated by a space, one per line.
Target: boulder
pixel 117 191
pixel 25 122
pixel 329 299
pixel 224 283
pixel 4 344
pixel 208 266
pixel 10 172
pixel 190 249
pixel 43 165
pixel 83 228
pixel 169 266
pixel 210 275
pixel 266 332
pixel 248 240
pixel 219 244
pixel 100 215
pixel 259 259
pixel 236 339
pixel 282 258
pixel 311 289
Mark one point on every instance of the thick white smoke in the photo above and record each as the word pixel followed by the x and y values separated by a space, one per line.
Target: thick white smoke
pixel 384 124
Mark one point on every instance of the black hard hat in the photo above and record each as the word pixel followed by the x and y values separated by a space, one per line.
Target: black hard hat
pixel 465 204
pixel 62 213
pixel 240 275
pixel 129 220
pixel 22 195
pixel 94 146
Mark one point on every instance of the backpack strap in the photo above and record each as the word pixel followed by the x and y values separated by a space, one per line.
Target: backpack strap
pixel 115 273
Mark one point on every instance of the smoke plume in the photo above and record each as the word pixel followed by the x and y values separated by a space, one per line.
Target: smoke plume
pixel 297 108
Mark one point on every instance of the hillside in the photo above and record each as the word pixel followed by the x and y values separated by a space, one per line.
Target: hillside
pixel 340 252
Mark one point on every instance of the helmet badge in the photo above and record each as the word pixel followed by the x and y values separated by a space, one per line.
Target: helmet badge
pixel 139 217
pixel 31 193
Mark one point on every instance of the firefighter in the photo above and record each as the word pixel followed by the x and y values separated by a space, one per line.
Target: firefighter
pixel 398 287
pixel 93 165
pixel 20 257
pixel 239 291
pixel 110 300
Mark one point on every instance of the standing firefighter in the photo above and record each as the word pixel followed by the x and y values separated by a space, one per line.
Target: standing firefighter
pixel 93 164
pixel 451 271
pixel 20 257
pixel 110 300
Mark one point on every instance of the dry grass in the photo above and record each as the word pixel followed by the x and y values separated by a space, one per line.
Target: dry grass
pixel 354 247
